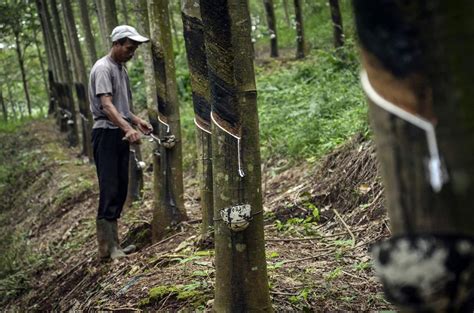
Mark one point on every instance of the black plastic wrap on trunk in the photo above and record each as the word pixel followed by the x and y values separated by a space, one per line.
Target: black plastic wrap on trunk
pixel 220 70
pixel 196 53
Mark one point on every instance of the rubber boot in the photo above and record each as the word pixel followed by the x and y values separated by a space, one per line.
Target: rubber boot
pixel 114 248
pixel 101 227
pixel 128 249
pixel 108 247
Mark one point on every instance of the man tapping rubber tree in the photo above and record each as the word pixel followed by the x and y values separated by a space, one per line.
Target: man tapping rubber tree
pixel 110 98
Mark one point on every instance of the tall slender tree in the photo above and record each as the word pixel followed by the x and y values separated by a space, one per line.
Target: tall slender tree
pixel 197 62
pixel 141 12
pixel 66 89
pixel 419 85
pixel 338 33
pixel 170 208
pixel 87 29
pixel 54 74
pixel 104 36
pixel 272 29
pixel 4 106
pixel 300 38
pixel 241 274
pixel 40 58
pixel 21 61
pixel 110 16
pixel 81 82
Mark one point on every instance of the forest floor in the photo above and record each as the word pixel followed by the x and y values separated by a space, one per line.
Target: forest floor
pixel 320 221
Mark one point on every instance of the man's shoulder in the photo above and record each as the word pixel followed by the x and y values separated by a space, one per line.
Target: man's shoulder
pixel 102 64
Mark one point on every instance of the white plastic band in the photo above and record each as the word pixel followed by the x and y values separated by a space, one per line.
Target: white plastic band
pixel 200 127
pixel 167 125
pixel 239 164
pixel 437 176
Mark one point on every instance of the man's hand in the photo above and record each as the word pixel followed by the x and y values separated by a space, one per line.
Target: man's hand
pixel 144 126
pixel 132 135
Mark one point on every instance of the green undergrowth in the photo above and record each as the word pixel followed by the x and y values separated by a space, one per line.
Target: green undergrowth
pixel 39 182
pixel 309 107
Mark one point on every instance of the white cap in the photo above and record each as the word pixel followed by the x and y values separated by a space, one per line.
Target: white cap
pixel 125 31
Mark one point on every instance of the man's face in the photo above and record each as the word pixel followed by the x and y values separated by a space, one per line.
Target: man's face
pixel 126 51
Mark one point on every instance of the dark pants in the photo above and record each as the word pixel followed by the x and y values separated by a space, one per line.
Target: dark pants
pixel 111 155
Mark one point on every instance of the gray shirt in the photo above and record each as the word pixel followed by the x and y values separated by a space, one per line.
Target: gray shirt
pixel 109 77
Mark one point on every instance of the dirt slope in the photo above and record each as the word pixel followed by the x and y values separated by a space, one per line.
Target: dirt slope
pixel 320 221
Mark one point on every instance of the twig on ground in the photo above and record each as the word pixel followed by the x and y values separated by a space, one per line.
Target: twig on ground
pixel 283 293
pixel 164 240
pixel 346 226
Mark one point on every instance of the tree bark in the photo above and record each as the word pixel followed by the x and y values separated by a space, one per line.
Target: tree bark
pixel 19 55
pixel 300 39
pixel 56 65
pixel 4 107
pixel 41 61
pixel 171 208
pixel 102 26
pixel 82 81
pixel 241 275
pixel 338 33
pixel 110 17
pixel 51 40
pixel 197 62
pixel 68 100
pixel 173 25
pixel 141 12
pixel 86 27
pixel 415 64
pixel 270 13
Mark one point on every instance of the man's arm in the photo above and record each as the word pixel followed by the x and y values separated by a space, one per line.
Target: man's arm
pixel 115 117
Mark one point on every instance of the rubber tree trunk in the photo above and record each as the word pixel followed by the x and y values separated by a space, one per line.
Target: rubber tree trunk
pixel 4 107
pixel 300 39
pixel 110 17
pixel 338 33
pixel 87 29
pixel 196 54
pixel 52 68
pixel 58 74
pixel 41 60
pixel 68 100
pixel 272 29
pixel 141 12
pixel 51 48
pixel 104 36
pixel 172 7
pixel 170 209
pixel 80 85
pixel 21 62
pixel 241 274
pixel 419 85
